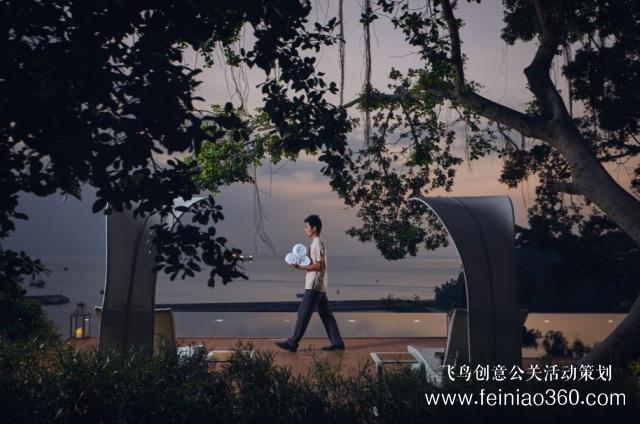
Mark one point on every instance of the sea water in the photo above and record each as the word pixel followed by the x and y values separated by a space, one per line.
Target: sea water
pixel 80 278
pixel 270 279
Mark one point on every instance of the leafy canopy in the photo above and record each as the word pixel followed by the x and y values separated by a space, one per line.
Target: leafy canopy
pixel 97 93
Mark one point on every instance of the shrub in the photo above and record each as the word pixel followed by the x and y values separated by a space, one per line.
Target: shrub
pixel 55 383
pixel 22 319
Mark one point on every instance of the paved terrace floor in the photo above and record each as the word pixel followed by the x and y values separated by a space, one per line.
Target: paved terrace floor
pixel 356 355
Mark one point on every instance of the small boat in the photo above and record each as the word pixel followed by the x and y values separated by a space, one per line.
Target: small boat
pixel 101 291
pixel 65 269
pixel 37 283
pixel 52 299
pixel 299 295
pixel 55 300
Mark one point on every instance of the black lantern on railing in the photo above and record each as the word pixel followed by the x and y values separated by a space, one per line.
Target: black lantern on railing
pixel 80 323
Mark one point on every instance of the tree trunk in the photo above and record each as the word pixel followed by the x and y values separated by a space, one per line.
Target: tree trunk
pixel 557 128
pixel 591 180
pixel 596 184
pixel 589 177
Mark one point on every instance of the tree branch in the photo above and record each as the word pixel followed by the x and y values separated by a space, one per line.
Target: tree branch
pixel 524 124
pixel 608 158
pixel 568 188
pixel 456 53
pixel 353 102
pixel 538 71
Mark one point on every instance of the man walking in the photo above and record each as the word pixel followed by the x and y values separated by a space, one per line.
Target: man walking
pixel 315 292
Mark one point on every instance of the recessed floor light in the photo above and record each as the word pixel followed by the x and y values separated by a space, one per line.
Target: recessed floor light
pixel 352 320
pixel 546 321
pixel 416 320
pixel 219 320
pixel 610 320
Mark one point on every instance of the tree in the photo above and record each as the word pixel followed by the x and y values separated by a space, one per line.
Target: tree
pixel 109 94
pixel 408 148
pixel 96 93
pixel 599 42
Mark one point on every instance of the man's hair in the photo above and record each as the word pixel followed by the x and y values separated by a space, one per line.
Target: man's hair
pixel 314 221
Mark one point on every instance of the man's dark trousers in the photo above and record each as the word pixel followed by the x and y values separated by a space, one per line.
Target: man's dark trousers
pixel 311 301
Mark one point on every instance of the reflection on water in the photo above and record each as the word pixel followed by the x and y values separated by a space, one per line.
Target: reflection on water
pixel 280 324
pixel 589 328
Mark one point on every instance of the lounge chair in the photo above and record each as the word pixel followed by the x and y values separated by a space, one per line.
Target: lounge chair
pixel 457 348
pixel 380 359
pixel 164 333
pixel 217 356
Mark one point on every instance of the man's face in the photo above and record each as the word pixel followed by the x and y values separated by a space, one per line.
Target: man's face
pixel 309 231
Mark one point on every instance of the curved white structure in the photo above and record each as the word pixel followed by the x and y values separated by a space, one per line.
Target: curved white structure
pixel 130 285
pixel 482 229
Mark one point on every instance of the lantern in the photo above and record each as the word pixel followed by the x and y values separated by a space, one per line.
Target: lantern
pixel 80 323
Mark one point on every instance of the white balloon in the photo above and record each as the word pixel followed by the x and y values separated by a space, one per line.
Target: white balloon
pixel 291 258
pixel 304 261
pixel 299 249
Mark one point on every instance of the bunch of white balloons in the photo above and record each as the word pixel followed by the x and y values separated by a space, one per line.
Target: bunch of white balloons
pixel 298 255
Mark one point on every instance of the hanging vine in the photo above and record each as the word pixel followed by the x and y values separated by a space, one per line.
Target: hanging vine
pixel 366 19
pixel 341 50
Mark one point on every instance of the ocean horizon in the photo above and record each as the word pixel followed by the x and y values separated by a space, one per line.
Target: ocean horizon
pixel 270 279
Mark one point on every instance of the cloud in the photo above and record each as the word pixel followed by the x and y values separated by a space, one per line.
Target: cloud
pixel 300 185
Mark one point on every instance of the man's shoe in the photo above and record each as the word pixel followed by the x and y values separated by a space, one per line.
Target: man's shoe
pixel 287 346
pixel 333 347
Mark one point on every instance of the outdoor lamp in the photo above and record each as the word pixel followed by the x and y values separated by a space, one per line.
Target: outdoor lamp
pixel 80 323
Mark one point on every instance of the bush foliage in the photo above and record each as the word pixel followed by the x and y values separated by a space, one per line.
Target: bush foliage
pixel 56 383
pixel 23 319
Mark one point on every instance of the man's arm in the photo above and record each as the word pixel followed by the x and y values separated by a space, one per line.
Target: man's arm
pixel 315 266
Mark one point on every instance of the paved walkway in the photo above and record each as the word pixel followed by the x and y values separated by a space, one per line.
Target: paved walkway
pixel 356 355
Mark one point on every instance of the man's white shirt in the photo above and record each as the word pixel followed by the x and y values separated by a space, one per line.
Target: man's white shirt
pixel 317 253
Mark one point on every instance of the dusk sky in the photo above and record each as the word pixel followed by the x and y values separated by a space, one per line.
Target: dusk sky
pixel 294 190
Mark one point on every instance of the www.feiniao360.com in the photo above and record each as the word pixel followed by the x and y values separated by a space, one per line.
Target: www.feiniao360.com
pixel 549 397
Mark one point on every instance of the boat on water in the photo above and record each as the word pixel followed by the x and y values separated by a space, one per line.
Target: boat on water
pixel 52 299
pixel 299 295
pixel 55 300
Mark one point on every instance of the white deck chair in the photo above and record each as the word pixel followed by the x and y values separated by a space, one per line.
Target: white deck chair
pixel 218 356
pixel 457 348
